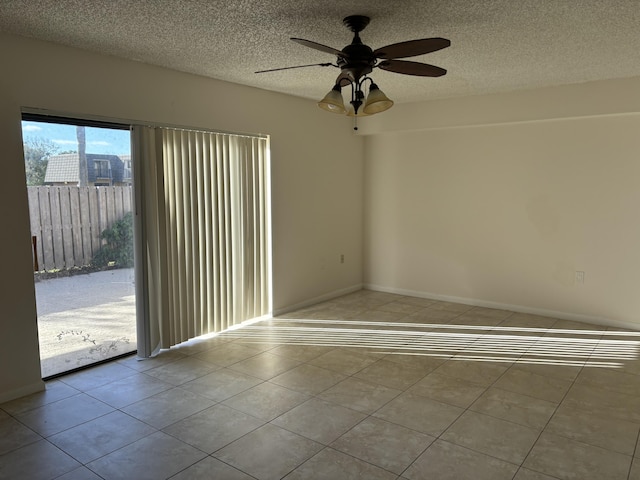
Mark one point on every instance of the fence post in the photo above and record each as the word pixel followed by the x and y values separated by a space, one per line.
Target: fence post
pixel 34 244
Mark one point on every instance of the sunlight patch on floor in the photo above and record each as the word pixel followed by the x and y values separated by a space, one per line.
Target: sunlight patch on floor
pixel 543 346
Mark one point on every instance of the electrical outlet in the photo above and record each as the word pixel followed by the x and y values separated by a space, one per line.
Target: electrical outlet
pixel 342 258
pixel 579 277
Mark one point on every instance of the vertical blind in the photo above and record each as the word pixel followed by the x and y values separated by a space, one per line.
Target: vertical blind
pixel 204 202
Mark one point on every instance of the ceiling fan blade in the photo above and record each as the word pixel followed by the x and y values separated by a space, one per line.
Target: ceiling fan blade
pixel 318 46
pixel 297 66
pixel 412 68
pixel 411 48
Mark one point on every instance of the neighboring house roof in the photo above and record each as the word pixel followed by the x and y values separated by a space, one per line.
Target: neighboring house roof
pixel 64 168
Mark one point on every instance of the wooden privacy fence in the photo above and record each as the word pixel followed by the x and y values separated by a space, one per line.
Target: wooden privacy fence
pixel 67 222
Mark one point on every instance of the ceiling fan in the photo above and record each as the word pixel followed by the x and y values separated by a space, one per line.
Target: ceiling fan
pixel 357 60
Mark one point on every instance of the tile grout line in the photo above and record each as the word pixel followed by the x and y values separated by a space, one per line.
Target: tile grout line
pixel 438 437
pixel 573 382
pixel 633 457
pixel 467 409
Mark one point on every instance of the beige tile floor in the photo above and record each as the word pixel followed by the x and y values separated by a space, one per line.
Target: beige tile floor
pixel 369 386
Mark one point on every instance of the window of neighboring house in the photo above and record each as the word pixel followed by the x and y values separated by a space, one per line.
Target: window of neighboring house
pixel 102 168
pixel 127 171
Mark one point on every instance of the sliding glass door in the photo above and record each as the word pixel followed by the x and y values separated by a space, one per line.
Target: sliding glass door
pixel 79 183
pixel 201 210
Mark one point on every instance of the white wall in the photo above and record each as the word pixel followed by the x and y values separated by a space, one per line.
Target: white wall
pixel 607 97
pixel 316 173
pixel 504 213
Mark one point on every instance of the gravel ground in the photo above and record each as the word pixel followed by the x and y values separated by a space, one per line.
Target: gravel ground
pixel 85 318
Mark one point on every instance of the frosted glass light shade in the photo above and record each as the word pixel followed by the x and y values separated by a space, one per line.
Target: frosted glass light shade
pixel 376 101
pixel 333 102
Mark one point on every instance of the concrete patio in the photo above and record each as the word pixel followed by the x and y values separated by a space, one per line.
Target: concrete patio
pixel 84 319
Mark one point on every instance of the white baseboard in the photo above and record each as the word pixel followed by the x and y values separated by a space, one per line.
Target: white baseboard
pixel 25 390
pixel 321 298
pixel 576 317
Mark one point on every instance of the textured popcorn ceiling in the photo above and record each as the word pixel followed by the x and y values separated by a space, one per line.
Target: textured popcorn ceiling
pixel 497 45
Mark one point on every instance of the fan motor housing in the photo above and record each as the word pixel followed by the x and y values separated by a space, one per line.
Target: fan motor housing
pixel 358 60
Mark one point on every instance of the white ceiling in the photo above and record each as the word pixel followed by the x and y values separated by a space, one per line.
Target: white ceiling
pixel 496 45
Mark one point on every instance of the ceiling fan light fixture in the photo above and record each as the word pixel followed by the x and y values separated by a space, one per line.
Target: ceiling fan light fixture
pixel 357 60
pixel 333 102
pixel 376 101
pixel 352 113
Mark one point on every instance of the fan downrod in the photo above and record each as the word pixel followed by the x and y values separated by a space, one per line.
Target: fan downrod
pixel 356 23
